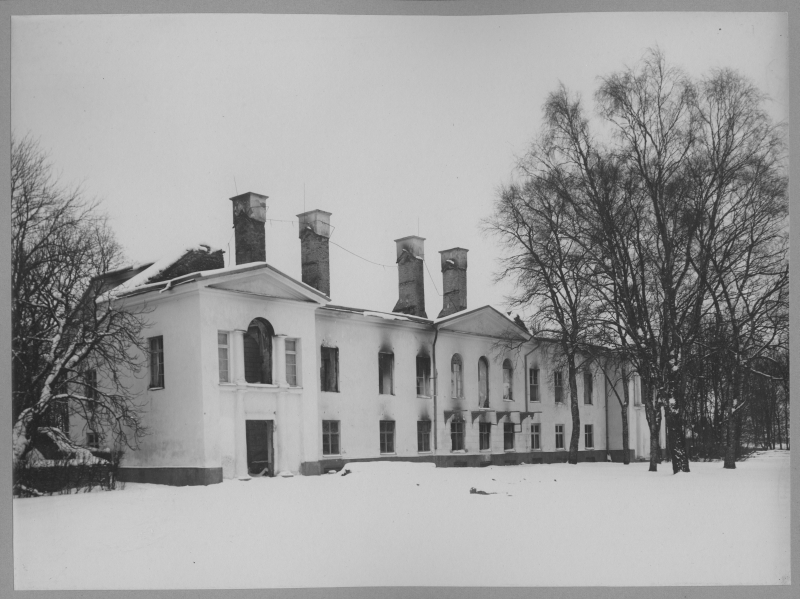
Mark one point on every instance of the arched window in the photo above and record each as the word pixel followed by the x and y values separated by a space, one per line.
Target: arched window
pixel 258 352
pixel 508 377
pixel 483 383
pixel 456 377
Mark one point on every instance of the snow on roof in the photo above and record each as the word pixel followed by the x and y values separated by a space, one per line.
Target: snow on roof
pixel 159 266
pixel 378 314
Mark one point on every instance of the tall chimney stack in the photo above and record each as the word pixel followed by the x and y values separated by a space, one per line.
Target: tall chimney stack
pixel 315 230
pixel 410 270
pixel 249 216
pixel 454 275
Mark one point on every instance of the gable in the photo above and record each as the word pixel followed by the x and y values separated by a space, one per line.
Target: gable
pixel 268 282
pixel 485 321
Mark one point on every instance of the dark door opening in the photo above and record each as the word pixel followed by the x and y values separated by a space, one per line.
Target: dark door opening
pixel 260 454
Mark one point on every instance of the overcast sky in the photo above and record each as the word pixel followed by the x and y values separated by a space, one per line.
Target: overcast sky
pixel 395 124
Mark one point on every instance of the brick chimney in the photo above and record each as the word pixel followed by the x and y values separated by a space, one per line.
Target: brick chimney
pixel 249 216
pixel 454 275
pixel 410 270
pixel 315 230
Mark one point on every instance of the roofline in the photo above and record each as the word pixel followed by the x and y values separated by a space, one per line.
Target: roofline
pixel 216 273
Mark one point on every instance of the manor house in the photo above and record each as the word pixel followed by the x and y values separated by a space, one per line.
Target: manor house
pixel 252 372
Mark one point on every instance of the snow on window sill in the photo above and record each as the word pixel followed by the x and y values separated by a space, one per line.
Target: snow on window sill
pixel 390 453
pixel 429 452
pixel 510 450
pixel 458 451
pixel 331 455
pixel 424 396
pixel 507 399
pixel 155 388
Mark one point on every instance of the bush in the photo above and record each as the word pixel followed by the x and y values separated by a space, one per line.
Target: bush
pixel 61 477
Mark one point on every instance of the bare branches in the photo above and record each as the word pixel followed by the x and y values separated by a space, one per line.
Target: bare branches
pixel 60 244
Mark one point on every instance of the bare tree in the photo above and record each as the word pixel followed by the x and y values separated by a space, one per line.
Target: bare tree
pixel 533 220
pixel 71 342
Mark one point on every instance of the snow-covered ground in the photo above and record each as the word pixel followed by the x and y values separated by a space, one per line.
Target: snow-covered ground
pixel 395 524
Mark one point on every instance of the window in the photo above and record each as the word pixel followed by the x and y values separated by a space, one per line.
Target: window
pixel 533 381
pixel 330 437
pixel 222 350
pixel 483 383
pixel 423 436
pixel 637 391
pixel 387 436
pixel 484 435
pixel 558 386
pixel 457 435
pixel 456 377
pixel 258 352
pixel 559 436
pixel 385 373
pixel 291 362
pixel 508 436
pixel 508 377
pixel 90 385
pixel 423 376
pixel 156 362
pixel 93 440
pixel 588 435
pixel 536 436
pixel 588 387
pixel 329 370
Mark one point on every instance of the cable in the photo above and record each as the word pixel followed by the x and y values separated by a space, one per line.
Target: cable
pixel 364 259
pixel 431 277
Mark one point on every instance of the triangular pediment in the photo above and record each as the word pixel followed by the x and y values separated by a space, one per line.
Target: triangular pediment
pixel 485 321
pixel 268 282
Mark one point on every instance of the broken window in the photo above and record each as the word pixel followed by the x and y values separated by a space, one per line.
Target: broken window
pixel 291 362
pixel 387 436
pixel 330 437
pixel 386 373
pixel 484 435
pixel 508 377
pixel 588 384
pixel 457 434
pixel 588 436
pixel 423 436
pixel 222 351
pixel 456 377
pixel 558 386
pixel 508 436
pixel 329 370
pixel 258 352
pixel 536 441
pixel 637 391
pixel 156 345
pixel 483 383
pixel 533 378
pixel 423 376
pixel 90 385
pixel 559 436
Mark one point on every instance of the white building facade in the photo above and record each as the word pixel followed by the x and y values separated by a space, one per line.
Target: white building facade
pixel 251 372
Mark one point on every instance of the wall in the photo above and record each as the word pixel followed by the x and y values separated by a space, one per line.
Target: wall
pixel 293 410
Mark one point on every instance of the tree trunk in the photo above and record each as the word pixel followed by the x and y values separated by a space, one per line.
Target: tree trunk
pixel 576 416
pixel 653 416
pixel 626 454
pixel 676 439
pixel 730 448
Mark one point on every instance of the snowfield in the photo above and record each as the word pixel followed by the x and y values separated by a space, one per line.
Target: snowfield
pixel 400 524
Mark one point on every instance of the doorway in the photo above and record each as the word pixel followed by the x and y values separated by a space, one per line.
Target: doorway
pixel 260 452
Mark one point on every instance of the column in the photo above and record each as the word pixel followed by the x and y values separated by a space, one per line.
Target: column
pixel 236 361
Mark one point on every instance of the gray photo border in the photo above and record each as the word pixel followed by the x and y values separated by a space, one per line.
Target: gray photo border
pixel 11 8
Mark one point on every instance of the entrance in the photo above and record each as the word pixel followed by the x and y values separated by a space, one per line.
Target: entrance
pixel 260 454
